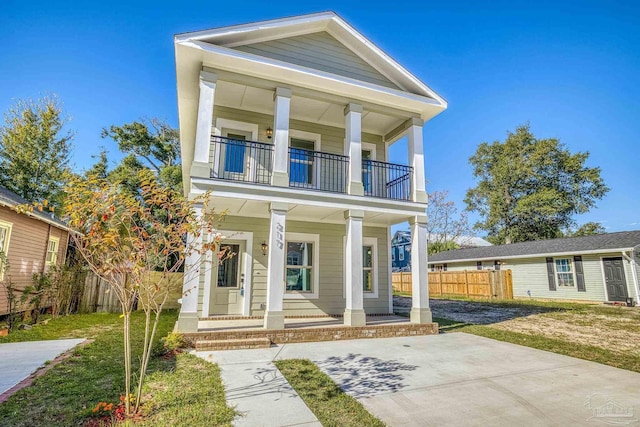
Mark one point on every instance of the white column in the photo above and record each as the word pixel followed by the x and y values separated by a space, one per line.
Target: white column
pixel 200 166
pixel 188 317
pixel 282 106
pixel 353 148
pixel 416 160
pixel 354 313
pixel 274 315
pixel 420 312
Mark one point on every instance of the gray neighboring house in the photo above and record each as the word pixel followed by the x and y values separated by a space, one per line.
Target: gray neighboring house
pixel 602 267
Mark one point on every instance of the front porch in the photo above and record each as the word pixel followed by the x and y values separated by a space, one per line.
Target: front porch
pixel 233 333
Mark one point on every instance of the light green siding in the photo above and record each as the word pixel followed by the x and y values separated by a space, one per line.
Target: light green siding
pixel 331 269
pixel 322 52
pixel 332 138
pixel 530 274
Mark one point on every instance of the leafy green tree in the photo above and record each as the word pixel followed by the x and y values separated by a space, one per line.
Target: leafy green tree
pixel 100 169
pixel 530 188
pixel 35 150
pixel 151 144
pixel 441 246
pixel 588 229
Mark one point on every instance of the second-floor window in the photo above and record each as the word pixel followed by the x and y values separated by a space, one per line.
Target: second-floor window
pixel 401 253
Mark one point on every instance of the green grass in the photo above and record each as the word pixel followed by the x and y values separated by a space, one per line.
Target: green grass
pixel 65 395
pixel 192 394
pixel 621 360
pixel 332 406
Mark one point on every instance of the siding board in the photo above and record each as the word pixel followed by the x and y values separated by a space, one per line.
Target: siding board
pixel 322 52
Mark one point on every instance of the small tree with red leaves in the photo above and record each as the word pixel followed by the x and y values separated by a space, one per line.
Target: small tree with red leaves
pixel 124 237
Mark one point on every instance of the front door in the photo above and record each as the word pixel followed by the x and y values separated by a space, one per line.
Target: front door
pixel 228 281
pixel 614 279
pixel 367 178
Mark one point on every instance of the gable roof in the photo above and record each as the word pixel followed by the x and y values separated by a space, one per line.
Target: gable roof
pixel 256 32
pixel 10 199
pixel 623 240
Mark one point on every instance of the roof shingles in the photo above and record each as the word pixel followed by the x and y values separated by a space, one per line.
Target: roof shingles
pixel 596 242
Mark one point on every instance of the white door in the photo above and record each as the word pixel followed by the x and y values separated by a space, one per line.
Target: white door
pixel 227 293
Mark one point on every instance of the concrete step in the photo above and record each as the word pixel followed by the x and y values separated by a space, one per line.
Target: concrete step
pixel 233 344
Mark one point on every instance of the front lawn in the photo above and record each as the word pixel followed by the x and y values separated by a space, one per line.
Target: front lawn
pixel 178 388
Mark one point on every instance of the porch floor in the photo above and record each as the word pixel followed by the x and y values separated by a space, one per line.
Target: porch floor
pixel 251 324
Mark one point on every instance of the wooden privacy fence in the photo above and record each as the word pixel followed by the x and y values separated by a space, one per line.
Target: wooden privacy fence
pixel 98 297
pixel 478 284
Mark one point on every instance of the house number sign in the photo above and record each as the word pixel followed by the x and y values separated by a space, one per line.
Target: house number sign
pixel 279 236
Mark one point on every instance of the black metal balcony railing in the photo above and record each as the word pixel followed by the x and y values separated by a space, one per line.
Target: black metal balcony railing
pixel 317 170
pixel 386 180
pixel 238 160
pixel 251 161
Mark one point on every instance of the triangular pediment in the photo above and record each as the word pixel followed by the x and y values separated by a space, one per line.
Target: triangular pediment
pixel 320 51
pixel 320 41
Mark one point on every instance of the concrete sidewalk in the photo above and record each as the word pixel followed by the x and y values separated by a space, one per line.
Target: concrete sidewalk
pixel 257 389
pixel 19 360
pixel 445 380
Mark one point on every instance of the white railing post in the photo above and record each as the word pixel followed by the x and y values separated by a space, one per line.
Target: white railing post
pixel 353 148
pixel 282 105
pixel 416 160
pixel 200 166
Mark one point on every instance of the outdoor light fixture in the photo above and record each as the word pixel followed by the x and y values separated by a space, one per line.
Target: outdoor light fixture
pixel 265 247
pixel 269 132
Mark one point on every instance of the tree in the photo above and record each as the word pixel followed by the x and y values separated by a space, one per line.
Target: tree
pixel 149 144
pixel 100 169
pixel 530 188
pixel 445 225
pixel 35 150
pixel 120 235
pixel 588 229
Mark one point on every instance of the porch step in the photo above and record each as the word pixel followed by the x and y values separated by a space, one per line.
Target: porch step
pixel 232 344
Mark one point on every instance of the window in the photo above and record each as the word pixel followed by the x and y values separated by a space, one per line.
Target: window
pixel 564 271
pixel 300 265
pixel 496 265
pixel 228 269
pixel 393 254
pixel 5 234
pixel 478 265
pixel 401 253
pixel 367 268
pixel 301 161
pixel 52 250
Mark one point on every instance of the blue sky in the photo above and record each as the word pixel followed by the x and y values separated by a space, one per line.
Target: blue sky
pixel 571 69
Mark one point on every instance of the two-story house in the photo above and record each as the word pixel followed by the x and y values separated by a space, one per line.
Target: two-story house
pixel 288 124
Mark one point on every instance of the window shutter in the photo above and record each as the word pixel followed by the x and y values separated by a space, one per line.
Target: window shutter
pixel 551 274
pixel 577 262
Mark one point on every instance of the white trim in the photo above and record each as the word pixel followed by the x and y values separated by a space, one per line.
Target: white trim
pixel 328 21
pixel 321 199
pixel 315 267
pixel 247 262
pixel 234 125
pixel 366 241
pixel 555 254
pixel 307 136
pixel 9 227
pixel 389 272
pixel 634 272
pixel 55 261
pixel 604 278
pixel 574 279
pixel 370 147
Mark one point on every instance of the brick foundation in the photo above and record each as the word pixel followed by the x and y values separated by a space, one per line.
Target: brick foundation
pixel 245 338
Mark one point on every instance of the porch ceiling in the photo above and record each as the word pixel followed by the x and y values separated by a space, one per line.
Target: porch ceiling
pixel 260 100
pixel 302 212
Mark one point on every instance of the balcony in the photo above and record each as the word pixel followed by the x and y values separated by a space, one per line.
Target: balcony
pixel 252 162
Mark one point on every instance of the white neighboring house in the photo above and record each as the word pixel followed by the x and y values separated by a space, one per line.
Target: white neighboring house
pixel 288 124
pixel 600 267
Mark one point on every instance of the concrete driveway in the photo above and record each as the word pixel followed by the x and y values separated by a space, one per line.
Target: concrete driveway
pixel 456 379
pixel 18 360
